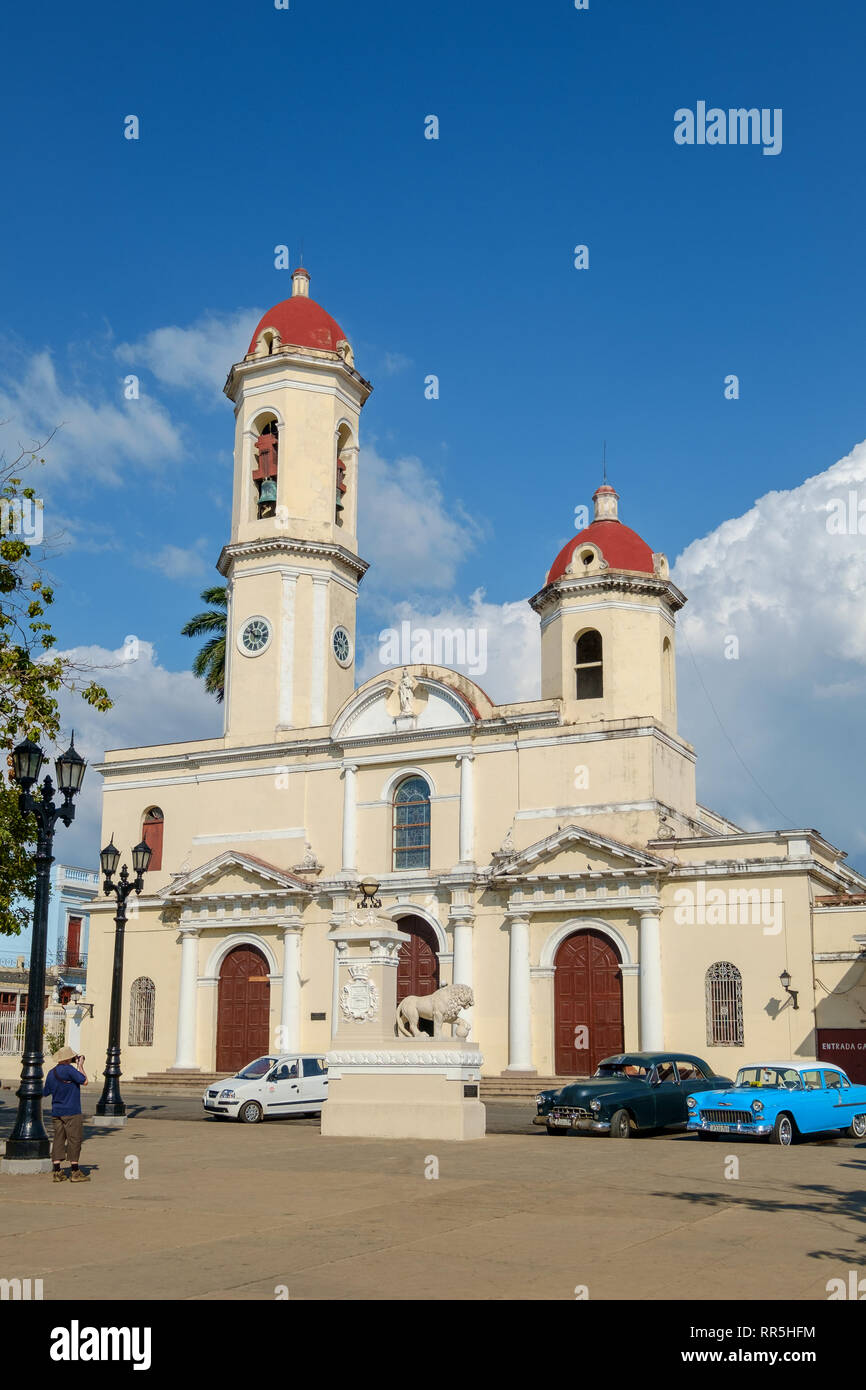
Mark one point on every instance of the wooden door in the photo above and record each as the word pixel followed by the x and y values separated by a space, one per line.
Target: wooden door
pixel 243 1009
pixel 587 990
pixel 418 962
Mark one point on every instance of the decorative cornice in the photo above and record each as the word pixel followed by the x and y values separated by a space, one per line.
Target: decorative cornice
pixel 394 1058
pixel 629 582
pixel 288 545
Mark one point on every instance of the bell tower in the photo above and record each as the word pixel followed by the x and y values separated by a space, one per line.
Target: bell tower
pixel 608 615
pixel 292 566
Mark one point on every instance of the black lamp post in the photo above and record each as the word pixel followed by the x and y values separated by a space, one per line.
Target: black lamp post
pixel 28 1139
pixel 110 1102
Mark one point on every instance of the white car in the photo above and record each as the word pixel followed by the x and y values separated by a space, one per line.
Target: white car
pixel 294 1084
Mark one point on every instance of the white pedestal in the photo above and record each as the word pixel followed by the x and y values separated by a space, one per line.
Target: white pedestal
pixel 416 1088
pixel 22 1166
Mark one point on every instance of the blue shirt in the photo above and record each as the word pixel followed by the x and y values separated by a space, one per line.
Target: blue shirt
pixel 63 1084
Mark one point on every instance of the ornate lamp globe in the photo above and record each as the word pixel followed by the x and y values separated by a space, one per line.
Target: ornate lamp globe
pixel 141 857
pixel 70 769
pixel 109 858
pixel 27 760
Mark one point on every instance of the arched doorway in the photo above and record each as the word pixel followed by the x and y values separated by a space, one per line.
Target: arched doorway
pixel 243 1009
pixel 587 994
pixel 418 961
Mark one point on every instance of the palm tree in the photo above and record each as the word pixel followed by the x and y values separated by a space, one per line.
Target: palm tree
pixel 210 662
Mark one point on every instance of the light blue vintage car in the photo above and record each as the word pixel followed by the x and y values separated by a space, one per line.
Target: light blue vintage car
pixel 781 1100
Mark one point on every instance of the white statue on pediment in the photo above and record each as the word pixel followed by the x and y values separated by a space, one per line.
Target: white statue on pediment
pixel 406 693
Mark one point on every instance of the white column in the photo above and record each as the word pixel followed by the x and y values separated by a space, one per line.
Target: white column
pixel 186 1055
pixel 319 653
pixel 350 815
pixel 287 651
pixel 519 1016
pixel 461 970
pixel 652 1025
pixel 227 676
pixel 467 809
pixel 290 1014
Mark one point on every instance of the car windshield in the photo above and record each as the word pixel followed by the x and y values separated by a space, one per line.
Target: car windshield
pixel 260 1067
pixel 769 1078
pixel 630 1069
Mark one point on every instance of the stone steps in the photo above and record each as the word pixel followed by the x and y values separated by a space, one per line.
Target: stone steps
pixel 520 1087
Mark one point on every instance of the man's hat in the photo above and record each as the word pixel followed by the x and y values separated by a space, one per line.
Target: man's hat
pixel 64 1055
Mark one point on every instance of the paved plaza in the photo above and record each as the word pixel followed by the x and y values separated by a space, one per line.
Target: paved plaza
pixel 226 1211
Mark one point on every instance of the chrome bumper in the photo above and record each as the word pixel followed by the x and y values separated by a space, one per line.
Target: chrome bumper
pixel 599 1126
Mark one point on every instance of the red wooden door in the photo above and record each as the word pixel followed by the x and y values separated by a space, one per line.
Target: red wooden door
pixel 73 943
pixel 418 962
pixel 587 991
pixel 243 1010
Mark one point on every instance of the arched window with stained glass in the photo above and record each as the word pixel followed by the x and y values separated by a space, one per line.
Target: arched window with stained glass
pixel 411 844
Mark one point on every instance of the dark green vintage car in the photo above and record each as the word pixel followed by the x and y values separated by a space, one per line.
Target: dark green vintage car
pixel 631 1092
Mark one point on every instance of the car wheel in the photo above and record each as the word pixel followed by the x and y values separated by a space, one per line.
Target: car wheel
pixel 857 1128
pixel 783 1130
pixel 251 1113
pixel 620 1125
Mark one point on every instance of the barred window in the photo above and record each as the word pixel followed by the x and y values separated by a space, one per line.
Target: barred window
pixel 412 824
pixel 724 1005
pixel 142 1000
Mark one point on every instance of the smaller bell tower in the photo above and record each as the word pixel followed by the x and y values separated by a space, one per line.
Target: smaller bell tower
pixel 608 624
pixel 292 566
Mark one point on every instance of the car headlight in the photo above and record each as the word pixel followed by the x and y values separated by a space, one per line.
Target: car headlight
pixel 595 1105
pixel 227 1095
pixel 691 1103
pixel 540 1098
pixel 757 1106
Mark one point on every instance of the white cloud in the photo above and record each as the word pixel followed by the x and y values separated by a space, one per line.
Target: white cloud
pixel 418 540
pixel 151 705
pixel 506 635
pixel 197 357
pixel 97 439
pixel 180 562
pixel 793 595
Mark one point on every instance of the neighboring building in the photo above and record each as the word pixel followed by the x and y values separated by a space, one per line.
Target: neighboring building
pixel 72 891
pixel 551 853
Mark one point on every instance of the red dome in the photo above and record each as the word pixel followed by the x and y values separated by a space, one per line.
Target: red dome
pixel 303 323
pixel 621 547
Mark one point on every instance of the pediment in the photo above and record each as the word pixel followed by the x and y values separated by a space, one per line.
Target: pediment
pixel 570 851
pixel 233 874
pixel 426 702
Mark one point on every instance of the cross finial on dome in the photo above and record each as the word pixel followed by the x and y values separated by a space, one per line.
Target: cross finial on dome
pixel 301 282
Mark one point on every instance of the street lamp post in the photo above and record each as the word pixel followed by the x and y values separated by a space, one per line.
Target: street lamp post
pixel 28 1141
pixel 110 1104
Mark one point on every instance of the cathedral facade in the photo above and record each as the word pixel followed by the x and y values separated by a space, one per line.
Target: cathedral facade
pixel 550 853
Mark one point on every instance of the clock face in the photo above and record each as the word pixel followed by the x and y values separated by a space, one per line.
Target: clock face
pixel 254 636
pixel 342 644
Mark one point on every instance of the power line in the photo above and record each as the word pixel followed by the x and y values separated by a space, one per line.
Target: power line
pixel 786 819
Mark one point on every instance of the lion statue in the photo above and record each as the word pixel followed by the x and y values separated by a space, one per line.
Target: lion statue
pixel 443 1006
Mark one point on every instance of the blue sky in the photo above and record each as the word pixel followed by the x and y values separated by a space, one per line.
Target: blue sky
pixel 455 257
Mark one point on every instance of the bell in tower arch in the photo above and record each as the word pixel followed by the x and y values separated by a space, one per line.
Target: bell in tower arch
pixel 267 498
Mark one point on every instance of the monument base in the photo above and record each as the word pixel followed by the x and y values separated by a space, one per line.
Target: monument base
pixel 425 1090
